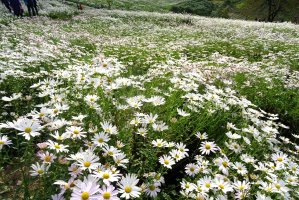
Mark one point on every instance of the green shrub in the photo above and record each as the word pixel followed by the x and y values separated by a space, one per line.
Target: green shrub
pixel 198 7
pixel 62 15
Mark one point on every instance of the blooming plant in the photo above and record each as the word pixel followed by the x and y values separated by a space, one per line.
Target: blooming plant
pixel 141 105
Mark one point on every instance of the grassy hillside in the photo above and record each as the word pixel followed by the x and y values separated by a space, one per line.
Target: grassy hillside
pixel 145 5
pixel 103 103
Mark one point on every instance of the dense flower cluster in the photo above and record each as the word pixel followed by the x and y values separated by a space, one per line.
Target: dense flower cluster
pixel 93 129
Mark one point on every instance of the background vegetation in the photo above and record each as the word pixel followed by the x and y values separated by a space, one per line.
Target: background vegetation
pixel 261 10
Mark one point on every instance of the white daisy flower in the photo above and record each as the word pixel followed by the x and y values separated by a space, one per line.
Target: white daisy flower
pixel 208 147
pixel 4 140
pixel 108 193
pixel 39 170
pixel 88 189
pixel 166 161
pixel 128 187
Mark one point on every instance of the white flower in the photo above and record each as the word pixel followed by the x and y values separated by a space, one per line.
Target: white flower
pixel 108 193
pixel 4 140
pixel 57 196
pixel 260 196
pixel 202 136
pixel 241 169
pixel 182 113
pixel 101 139
pixel 87 160
pixel 107 176
pixel 75 132
pixel 177 154
pixel 109 128
pixel 220 184
pixel 120 160
pixel 150 119
pixel 86 190
pixel 13 97
pixel 191 169
pixel 223 164
pixel 128 187
pixel 47 157
pixel 207 147
pixel 111 151
pixel 241 186
pixel 206 183
pixel 233 136
pixel 57 147
pixel 159 143
pixel 39 170
pixel 166 161
pixel 142 131
pixel 159 126
pixel 280 158
pixel 28 127
pixel 153 189
pixel 182 148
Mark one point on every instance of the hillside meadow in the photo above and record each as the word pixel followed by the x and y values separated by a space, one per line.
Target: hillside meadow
pixel 111 104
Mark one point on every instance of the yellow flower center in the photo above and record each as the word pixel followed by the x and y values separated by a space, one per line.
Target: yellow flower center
pixel 105 64
pixel 199 189
pixel 157 177
pixel 208 185
pixel 57 146
pixel 74 169
pixel 152 187
pixel 91 99
pixel 279 159
pixel 166 162
pixel 278 186
pixel 47 158
pixel 225 164
pixel 106 176
pixel 128 189
pixel 221 186
pixel 110 153
pixel 86 164
pixel 241 187
pixel 208 146
pixel 100 140
pixel 294 168
pixel 85 196
pixel 41 114
pixel 1 142
pixel 28 130
pixel 55 111
pixel 40 171
pixel 76 132
pixel 192 169
pixel 106 195
pixel 200 198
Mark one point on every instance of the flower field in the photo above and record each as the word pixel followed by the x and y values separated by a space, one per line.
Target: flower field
pixel 108 104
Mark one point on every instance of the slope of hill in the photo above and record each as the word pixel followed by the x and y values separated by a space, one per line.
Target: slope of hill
pixel 145 5
pixel 103 103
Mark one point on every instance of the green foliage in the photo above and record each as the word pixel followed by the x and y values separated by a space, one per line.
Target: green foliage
pixel 198 7
pixel 61 15
pixel 272 99
pixel 270 10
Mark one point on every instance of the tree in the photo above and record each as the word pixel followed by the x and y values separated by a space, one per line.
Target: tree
pixel 269 10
